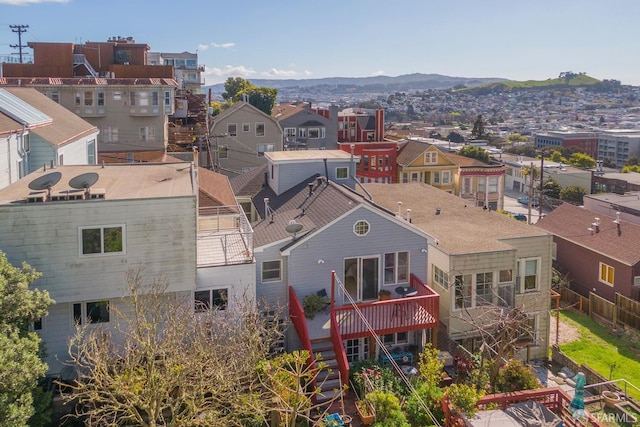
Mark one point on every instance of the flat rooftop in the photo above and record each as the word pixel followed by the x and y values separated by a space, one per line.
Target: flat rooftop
pixel 297 155
pixel 459 227
pixel 124 181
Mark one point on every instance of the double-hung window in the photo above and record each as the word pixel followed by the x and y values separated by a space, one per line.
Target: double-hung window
pixel 441 277
pixel 529 274
pixel 396 267
pixel 260 129
pixel 271 271
pixel 90 312
pixel 102 240
pixel 484 285
pixel 264 148
pixel 211 299
pixel 606 274
pixel 232 129
pixel 462 287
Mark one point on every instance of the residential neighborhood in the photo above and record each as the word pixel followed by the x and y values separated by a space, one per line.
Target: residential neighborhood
pixel 367 260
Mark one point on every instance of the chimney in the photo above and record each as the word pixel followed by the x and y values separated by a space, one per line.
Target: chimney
pixel 310 188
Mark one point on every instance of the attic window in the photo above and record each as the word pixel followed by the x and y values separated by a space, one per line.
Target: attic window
pixel 361 228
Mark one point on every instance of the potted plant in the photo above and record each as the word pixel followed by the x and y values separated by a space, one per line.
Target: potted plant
pixel 384 294
pixel 313 304
pixel 365 411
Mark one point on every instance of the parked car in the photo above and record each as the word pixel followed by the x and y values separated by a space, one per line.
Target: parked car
pixel 520 217
pixel 525 201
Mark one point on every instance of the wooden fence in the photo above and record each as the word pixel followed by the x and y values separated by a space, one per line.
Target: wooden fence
pixel 622 312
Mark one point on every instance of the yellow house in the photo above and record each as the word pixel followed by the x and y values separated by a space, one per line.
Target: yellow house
pixel 474 180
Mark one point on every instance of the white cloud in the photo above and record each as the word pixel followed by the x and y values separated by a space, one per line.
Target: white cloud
pixel 200 46
pixel 219 75
pixel 27 2
pixel 223 45
pixel 275 73
pixel 378 73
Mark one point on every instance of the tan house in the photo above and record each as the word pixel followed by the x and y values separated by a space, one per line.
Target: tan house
pixel 480 261
pixel 422 162
pixel 240 136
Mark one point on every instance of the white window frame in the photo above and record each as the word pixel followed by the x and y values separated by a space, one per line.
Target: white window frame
pixel 246 127
pixel 143 98
pixel 440 276
pixel 117 96
pixel 393 265
pixel 436 177
pixel 314 133
pixel 258 126
pixel 101 98
pixel 446 177
pixel 201 308
pixel 229 129
pixel 302 132
pixel 91 152
pixel 167 98
pixel 522 274
pixel 361 228
pixel 102 252
pixel 290 132
pixel 611 271
pixel 466 185
pixel 430 157
pixel 263 270
pixel 489 301
pixel 88 98
pixel 467 300
pixel 340 171
pixel 390 340
pixel 38 325
pixel 83 312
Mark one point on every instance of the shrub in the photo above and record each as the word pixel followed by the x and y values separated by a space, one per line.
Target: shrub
pixel 464 398
pixel 515 376
pixel 430 367
pixel 431 395
pixel 388 411
pixel 367 375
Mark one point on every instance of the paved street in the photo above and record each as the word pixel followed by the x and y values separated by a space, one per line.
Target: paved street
pixel 511 205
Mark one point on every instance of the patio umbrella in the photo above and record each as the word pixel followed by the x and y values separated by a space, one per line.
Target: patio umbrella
pixel 577 403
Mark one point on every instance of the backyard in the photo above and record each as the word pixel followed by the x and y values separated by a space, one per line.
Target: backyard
pixel 612 355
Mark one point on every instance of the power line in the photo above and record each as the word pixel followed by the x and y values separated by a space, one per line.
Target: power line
pixel 19 29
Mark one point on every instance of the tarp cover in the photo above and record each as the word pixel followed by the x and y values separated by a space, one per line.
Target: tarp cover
pixel 533 414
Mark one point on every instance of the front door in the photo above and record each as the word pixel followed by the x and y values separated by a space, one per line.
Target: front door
pixel 361 278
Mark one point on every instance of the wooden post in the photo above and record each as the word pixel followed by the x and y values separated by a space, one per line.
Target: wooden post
pixel 333 288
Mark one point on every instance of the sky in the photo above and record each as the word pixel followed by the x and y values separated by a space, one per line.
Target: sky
pixel 302 39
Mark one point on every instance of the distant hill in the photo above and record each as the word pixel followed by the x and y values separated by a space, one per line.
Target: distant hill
pixel 574 80
pixel 377 84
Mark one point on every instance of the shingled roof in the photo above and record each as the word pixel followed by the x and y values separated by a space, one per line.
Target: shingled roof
pixel 619 241
pixel 313 208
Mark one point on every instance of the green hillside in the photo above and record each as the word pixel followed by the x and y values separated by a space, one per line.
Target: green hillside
pixel 565 80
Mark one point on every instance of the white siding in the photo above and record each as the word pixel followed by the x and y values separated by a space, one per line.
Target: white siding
pixel 9 160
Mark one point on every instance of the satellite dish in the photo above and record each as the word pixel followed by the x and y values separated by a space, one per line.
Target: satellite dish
pixel 45 182
pixel 293 227
pixel 83 181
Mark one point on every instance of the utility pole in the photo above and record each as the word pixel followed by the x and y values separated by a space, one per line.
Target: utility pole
pixel 19 29
pixel 541 186
pixel 530 191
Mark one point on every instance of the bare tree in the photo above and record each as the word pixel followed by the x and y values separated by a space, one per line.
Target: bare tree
pixel 164 363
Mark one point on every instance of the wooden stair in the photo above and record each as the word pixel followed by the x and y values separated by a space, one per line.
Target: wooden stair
pixel 329 379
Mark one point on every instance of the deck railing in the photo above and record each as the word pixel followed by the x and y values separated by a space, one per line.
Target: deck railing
pixel 554 398
pixel 390 316
pixel 338 344
pixel 296 314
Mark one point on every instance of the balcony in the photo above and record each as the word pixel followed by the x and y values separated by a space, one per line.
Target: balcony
pixel 225 236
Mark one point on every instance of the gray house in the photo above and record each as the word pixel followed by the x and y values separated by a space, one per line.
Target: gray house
pixel 240 136
pixel 307 128
pixel 319 237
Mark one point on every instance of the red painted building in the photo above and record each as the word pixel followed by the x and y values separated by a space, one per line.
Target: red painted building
pixel 377 160
pixel 586 141
pixel 361 125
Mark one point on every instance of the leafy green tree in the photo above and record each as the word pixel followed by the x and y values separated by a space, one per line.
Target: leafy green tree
pixel 551 188
pixel 263 98
pixel 573 193
pixel 234 86
pixel 582 160
pixel 20 363
pixel 475 152
pixel 478 131
pixel 556 156
pixel 631 168
pixel 516 137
